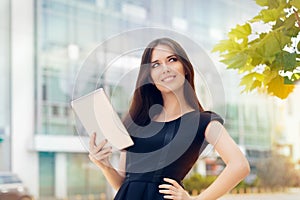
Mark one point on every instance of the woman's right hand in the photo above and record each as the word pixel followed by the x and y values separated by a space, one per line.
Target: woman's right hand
pixel 98 153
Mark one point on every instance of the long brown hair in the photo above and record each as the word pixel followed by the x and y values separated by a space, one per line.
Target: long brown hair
pixel 146 94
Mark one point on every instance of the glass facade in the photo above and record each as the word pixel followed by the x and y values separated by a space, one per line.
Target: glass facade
pixel 68 30
pixel 47 169
pixel 88 179
pixel 5 111
pixel 66 33
pixel 249 125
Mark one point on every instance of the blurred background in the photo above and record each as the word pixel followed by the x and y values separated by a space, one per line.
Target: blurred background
pixel 44 43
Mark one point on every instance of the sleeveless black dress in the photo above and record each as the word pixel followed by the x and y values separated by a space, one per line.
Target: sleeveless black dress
pixel 163 150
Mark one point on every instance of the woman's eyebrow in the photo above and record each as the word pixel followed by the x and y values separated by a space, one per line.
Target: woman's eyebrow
pixel 167 58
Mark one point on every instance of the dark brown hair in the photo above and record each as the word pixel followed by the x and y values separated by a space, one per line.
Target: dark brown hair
pixel 146 94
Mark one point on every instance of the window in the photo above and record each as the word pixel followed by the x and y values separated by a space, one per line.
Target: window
pixel 46 173
pixel 88 179
pixel 55 110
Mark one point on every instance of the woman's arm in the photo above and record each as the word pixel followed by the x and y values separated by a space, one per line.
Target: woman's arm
pixel 100 156
pixel 237 166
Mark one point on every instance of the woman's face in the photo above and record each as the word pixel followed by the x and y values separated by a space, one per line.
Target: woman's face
pixel 167 72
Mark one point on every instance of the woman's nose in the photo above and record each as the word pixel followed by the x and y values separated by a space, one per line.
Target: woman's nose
pixel 165 68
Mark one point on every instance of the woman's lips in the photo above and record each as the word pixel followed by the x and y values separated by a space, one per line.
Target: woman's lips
pixel 168 78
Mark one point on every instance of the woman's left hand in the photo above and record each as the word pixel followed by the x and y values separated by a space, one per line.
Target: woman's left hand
pixel 173 191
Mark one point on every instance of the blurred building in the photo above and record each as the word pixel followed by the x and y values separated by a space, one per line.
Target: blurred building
pixel 288 127
pixel 43 45
pixel 5 85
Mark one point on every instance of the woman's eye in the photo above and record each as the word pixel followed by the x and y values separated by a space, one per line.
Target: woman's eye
pixel 155 65
pixel 173 59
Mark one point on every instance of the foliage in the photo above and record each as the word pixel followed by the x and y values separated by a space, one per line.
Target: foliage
pixel 244 184
pixel 268 60
pixel 197 182
pixel 277 171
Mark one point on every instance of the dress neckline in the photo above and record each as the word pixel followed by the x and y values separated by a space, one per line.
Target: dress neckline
pixel 173 120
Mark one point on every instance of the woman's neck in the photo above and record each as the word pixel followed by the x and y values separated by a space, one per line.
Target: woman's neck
pixel 175 106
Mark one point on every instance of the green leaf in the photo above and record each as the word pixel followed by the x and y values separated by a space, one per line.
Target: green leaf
pixel 289 28
pixel 277 3
pixel 292 32
pixel 247 67
pixel 224 45
pixel 272 44
pixel 266 50
pixel 256 84
pixel 256 58
pixel 278 24
pixel 240 32
pixel 296 76
pixel 295 3
pixel 282 39
pixel 262 35
pixel 236 60
pixel 285 60
pixel 262 2
pixel 269 75
pixel 288 81
pixel 277 87
pixel 251 81
pixel 289 61
pixel 271 3
pixel 289 22
pixel 270 15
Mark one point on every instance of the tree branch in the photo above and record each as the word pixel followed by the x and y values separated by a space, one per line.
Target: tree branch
pixel 297 17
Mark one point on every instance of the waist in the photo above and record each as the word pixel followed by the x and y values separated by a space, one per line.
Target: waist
pixel 152 178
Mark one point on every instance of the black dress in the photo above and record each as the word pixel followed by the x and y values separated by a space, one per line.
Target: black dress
pixel 163 150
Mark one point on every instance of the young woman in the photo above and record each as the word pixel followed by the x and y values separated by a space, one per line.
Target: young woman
pixel 170 129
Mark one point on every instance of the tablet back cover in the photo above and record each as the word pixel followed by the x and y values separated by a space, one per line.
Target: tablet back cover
pixel 96 114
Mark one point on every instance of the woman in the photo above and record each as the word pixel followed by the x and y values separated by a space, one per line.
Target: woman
pixel 170 129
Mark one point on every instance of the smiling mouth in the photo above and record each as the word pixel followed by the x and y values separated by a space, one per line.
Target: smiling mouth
pixel 168 78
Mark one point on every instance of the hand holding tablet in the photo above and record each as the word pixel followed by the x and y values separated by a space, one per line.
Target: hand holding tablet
pixel 97 115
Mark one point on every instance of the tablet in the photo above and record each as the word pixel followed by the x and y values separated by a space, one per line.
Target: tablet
pixel 96 114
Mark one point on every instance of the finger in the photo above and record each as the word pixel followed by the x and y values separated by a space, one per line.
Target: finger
pixel 92 158
pixel 92 140
pixel 168 197
pixel 167 186
pixel 100 146
pixel 99 157
pixel 103 156
pixel 104 151
pixel 173 182
pixel 171 192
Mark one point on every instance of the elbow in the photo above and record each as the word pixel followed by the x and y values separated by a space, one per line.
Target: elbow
pixel 241 169
pixel 244 168
pixel 247 169
pixel 117 186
